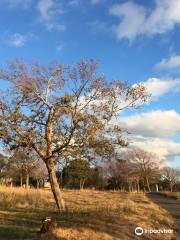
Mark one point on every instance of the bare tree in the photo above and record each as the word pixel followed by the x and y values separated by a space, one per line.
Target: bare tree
pixel 39 173
pixel 124 174
pixel 21 164
pixel 171 175
pixel 119 172
pixel 54 110
pixel 144 164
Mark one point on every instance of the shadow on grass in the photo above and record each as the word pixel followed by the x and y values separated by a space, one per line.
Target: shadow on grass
pixel 19 224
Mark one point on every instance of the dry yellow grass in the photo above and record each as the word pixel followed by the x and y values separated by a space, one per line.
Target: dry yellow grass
pixel 12 197
pixel 91 215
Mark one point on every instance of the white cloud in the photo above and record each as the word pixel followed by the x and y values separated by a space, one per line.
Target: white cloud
pixel 17 39
pixel 45 8
pixel 171 63
pixel 166 150
pixel 136 20
pixel 74 3
pixel 60 47
pixel 49 10
pixel 158 87
pixel 133 17
pixel 152 124
pixel 152 131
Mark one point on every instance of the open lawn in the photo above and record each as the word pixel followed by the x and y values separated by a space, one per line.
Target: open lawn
pixel 91 215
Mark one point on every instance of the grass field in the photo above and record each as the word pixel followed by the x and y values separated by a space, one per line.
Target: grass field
pixel 91 215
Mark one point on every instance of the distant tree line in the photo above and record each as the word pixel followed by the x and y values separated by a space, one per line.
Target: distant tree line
pixel 136 171
pixel 22 169
pixel 140 171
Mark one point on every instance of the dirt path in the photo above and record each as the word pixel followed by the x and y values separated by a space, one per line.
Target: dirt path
pixel 171 205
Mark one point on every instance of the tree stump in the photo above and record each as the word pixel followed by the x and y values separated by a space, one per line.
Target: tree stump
pixel 48 225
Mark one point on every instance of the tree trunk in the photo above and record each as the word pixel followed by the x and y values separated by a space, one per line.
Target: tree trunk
pixel 61 181
pixel 81 184
pixel 138 188
pixel 171 187
pixel 147 181
pixel 132 187
pixel 55 186
pixel 144 188
pixel 121 187
pixel 37 183
pixel 129 187
pixel 43 182
pixel 21 180
pixel 27 181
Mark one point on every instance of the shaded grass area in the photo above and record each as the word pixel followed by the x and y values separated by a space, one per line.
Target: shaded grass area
pixel 173 195
pixel 19 223
pixel 91 215
pixel 171 203
pixel 24 224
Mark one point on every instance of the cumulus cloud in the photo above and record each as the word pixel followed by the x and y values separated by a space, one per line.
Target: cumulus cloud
pixel 73 3
pixel 18 39
pixel 152 131
pixel 166 150
pixel 153 124
pixel 136 20
pixel 158 87
pixel 49 10
pixel 171 63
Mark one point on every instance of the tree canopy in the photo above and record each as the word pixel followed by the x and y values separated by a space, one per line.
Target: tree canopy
pixel 56 110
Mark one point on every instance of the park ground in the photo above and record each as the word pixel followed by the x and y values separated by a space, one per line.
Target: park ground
pixel 106 215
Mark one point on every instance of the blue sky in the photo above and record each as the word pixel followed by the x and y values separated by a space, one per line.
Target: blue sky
pixel 135 41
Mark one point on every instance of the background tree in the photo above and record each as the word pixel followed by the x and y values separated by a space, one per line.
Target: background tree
pixel 54 109
pixel 3 162
pixel 96 178
pixel 144 164
pixel 120 173
pixel 171 175
pixel 21 165
pixel 39 173
pixel 77 172
pixel 114 174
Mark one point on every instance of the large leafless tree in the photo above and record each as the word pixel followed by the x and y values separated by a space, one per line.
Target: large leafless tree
pixel 144 165
pixel 171 175
pixel 54 110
